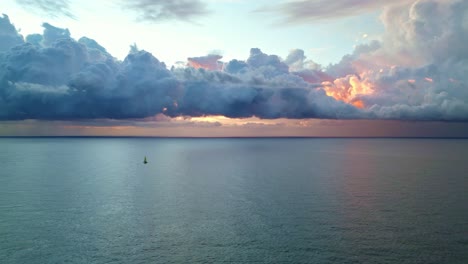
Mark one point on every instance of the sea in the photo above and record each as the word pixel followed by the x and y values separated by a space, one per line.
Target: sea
pixel 233 200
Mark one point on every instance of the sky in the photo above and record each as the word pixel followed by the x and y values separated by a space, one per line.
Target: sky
pixel 234 68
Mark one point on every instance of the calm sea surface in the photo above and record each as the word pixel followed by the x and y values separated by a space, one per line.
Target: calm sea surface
pixel 92 200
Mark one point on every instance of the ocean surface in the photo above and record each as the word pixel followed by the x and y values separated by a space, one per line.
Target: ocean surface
pixel 92 200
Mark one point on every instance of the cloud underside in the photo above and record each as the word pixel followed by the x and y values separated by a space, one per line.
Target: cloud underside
pixel 417 72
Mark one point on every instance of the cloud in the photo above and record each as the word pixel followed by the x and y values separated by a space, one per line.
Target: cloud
pixel 426 32
pixel 308 70
pixel 417 71
pixel 296 60
pixel 53 34
pixel 209 62
pixel 162 10
pixel 50 8
pixel 9 36
pixel 300 11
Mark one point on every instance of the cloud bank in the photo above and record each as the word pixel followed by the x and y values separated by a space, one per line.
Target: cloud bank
pixel 417 72
pixel 52 76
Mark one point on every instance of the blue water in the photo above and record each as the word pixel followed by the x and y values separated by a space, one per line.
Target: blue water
pixel 91 200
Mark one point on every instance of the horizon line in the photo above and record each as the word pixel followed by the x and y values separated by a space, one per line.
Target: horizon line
pixel 246 137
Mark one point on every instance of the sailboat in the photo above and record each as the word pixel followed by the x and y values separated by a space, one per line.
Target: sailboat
pixel 145 161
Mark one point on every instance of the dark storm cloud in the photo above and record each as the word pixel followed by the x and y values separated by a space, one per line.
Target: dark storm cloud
pixel 51 8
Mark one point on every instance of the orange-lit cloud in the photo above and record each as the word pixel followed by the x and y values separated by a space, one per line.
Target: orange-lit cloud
pixel 209 62
pixel 349 88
